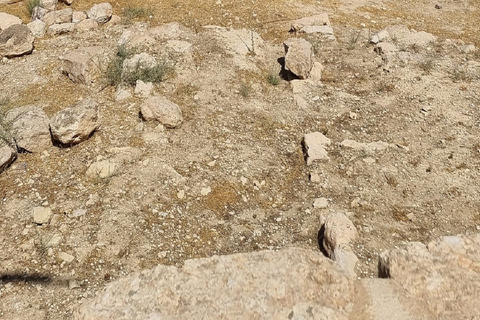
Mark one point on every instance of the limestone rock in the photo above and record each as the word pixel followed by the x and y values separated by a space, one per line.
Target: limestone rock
pixel 407 37
pixel 320 203
pixel 444 274
pixel 101 169
pixel 15 41
pixel 75 123
pixel 58 29
pixel 30 128
pixel 298 57
pixel 7 20
pixel 316 20
pixel 122 94
pixel 58 16
pixel 385 48
pixel 78 16
pixel 8 153
pixel 162 110
pixel 38 13
pixel 136 37
pixel 87 24
pixel 137 62
pixel 49 5
pixel 292 283
pixel 339 232
pixel 143 89
pixel 42 215
pixel 314 145
pixel 101 12
pixel 84 64
pixel 37 27
pixel 172 30
pixel 380 36
pixel 324 30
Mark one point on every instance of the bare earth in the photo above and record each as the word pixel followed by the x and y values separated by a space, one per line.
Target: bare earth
pixel 233 177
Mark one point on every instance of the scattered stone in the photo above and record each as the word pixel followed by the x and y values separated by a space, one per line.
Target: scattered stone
pixel 467 48
pixel 320 203
pixel 84 64
pixel 42 215
pixel 38 13
pixel 54 240
pixel 29 126
pixel 254 285
pixel 314 145
pixel 443 273
pixel 15 41
pixel 49 5
pixel 87 24
pixel 122 94
pixel 114 20
pixel 437 6
pixel 37 27
pixel 73 284
pixel 101 12
pixel 380 36
pixel 298 57
pixel 136 37
pixel 370 147
pixel 317 20
pixel 77 213
pixel 181 194
pixel 78 16
pixel 7 20
pixel 315 177
pixel 58 29
pixel 67 2
pixel 316 72
pixel 58 17
pixel 205 191
pixel 8 153
pixel 101 169
pixel 162 110
pixel 65 257
pixel 324 30
pixel 75 123
pixel 172 30
pixel 407 37
pixel 143 89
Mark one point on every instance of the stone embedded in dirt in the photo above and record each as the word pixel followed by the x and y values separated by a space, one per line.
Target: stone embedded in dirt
pixel 84 64
pixel 8 152
pixel 37 27
pixel 38 13
pixel 65 256
pixel 122 94
pixel 172 30
pixel 408 37
pixel 320 203
pixel 42 215
pixel 75 123
pixel 114 20
pixel 137 63
pixel 317 20
pixel 254 285
pixel 162 110
pixel 7 20
pixel 369 148
pixel 101 12
pixel 49 5
pixel 87 24
pixel 314 145
pixel 15 41
pixel 77 213
pixel 323 30
pixel 29 126
pixel 136 37
pixel 143 89
pixel 339 232
pixel 315 177
pixel 78 16
pixel 58 29
pixel 298 57
pixel 316 72
pixel 58 16
pixel 444 273
pixel 386 48
pixel 102 169
pixel 380 36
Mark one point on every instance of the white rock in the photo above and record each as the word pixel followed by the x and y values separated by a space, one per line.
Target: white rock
pixel 298 57
pixel 87 24
pixel 7 20
pixel 143 89
pixel 58 29
pixel 84 65
pixel 29 126
pixel 316 72
pixel 37 27
pixel 380 36
pixel 65 257
pixel 122 94
pixel 317 20
pixel 320 203
pixel 77 213
pixel 73 284
pixel 136 37
pixel 101 12
pixel 49 5
pixel 324 30
pixel 38 13
pixel 315 177
pixel 205 191
pixel 78 16
pixel 162 110
pixel 42 215
pixel 16 40
pixel 314 145
pixel 102 169
pixel 54 240
pixel 172 30
pixel 58 17
pixel 339 232
pixel 75 123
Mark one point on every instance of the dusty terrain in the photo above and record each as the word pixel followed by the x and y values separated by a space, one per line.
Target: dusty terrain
pixel 233 177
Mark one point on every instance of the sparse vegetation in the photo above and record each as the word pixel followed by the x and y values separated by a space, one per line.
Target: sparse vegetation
pixel 427 65
pixel 31 4
pixel 245 89
pixel 459 73
pixel 154 74
pixel 353 40
pixel 273 78
pixel 132 13
pixel 115 67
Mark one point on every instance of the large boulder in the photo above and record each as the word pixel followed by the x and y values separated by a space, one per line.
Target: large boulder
pixel 29 126
pixel 7 20
pixel 162 110
pixel 101 12
pixel 15 41
pixel 83 65
pixel 298 57
pixel 75 123
pixel 445 274
pixel 292 283
pixel 58 16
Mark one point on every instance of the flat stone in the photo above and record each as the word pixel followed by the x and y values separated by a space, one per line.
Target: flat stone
pixel 298 57
pixel 65 257
pixel 102 169
pixel 7 20
pixel 87 24
pixel 101 12
pixel 84 65
pixel 162 110
pixel 320 203
pixel 16 40
pixel 58 29
pixel 314 145
pixel 42 215
pixel 58 17
pixel 37 27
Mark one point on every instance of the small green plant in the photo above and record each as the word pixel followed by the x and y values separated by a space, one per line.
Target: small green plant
pixel 245 89
pixel 32 4
pixel 154 74
pixel 135 13
pixel 353 40
pixel 114 70
pixel 273 78
pixel 460 73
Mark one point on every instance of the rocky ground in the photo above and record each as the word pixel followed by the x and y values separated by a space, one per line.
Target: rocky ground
pixel 401 113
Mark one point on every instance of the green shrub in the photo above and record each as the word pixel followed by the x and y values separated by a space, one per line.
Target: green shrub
pixel 32 4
